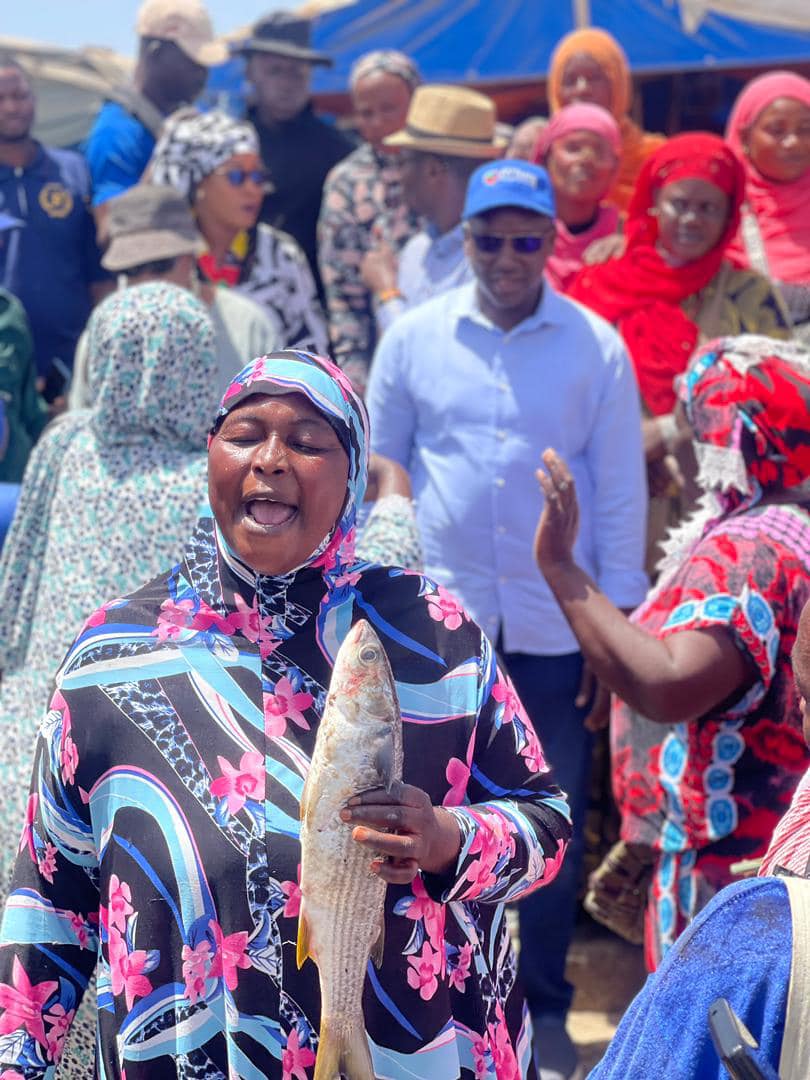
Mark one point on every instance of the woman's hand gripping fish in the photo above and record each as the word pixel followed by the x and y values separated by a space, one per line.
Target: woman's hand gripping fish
pixel 358 747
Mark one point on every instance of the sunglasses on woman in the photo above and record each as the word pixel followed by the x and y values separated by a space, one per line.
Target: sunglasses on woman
pixel 237 177
pixel 491 243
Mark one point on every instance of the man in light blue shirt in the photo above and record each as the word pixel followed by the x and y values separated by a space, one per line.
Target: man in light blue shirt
pixel 448 133
pixel 466 392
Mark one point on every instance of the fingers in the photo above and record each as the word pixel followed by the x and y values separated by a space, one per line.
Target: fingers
pixel 391 816
pixel 388 844
pixel 398 872
pixel 558 471
pixel 400 794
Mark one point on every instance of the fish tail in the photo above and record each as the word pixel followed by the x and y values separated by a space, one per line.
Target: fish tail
pixel 343 1051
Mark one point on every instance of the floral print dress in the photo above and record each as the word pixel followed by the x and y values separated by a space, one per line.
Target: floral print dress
pixel 362 193
pixel 161 837
pixel 707 794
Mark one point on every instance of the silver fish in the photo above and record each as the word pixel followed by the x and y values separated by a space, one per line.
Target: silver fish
pixel 358 747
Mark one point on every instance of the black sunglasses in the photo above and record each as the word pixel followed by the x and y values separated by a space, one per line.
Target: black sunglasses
pixel 237 177
pixel 489 243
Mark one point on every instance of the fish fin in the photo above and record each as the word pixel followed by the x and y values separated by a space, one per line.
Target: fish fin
pixel 384 758
pixel 378 947
pixel 343 1053
pixel 302 949
pixel 307 804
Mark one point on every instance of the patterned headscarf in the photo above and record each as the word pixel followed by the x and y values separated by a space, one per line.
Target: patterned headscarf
pixel 385 62
pixel 151 353
pixel 748 402
pixel 327 388
pixel 193 144
pixel 111 492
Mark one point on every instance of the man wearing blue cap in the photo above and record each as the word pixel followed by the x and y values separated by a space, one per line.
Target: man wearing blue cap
pixel 466 391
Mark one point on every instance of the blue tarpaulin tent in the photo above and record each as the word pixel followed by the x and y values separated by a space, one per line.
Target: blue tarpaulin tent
pixel 482 41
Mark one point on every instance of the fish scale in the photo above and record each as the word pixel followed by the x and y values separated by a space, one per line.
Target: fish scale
pixel 358 746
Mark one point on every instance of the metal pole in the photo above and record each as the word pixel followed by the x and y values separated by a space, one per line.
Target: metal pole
pixel 582 13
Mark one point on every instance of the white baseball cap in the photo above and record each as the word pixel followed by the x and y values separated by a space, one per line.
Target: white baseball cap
pixel 187 24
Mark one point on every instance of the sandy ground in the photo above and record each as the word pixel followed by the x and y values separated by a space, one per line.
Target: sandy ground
pixel 607 973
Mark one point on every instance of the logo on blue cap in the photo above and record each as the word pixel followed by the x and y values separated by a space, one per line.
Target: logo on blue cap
pixel 498 174
pixel 509 182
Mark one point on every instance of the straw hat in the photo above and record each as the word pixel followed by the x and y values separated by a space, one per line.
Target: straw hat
pixel 450 120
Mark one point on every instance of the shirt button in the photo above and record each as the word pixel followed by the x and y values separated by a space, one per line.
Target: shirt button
pixel 501 530
pixel 500 434
pixel 503 387
pixel 500 482
pixel 503 580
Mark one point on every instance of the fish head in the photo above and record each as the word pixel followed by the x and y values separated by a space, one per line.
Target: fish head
pixel 362 678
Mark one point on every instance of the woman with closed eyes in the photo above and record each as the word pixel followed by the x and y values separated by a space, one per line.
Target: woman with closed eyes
pixel 214 162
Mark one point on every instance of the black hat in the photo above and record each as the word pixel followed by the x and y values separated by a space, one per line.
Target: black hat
pixel 284 34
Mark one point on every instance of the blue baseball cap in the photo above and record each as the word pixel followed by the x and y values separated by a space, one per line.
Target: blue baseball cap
pixel 509 182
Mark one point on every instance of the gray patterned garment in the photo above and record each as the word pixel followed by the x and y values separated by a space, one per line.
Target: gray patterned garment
pixel 276 275
pixel 265 264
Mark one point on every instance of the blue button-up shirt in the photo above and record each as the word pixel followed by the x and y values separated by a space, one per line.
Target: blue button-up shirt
pixel 469 408
pixel 429 264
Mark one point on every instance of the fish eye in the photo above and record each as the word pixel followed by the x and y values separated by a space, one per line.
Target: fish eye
pixel 368 654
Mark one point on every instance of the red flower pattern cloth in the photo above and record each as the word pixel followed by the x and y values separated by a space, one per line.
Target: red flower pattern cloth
pixel 707 794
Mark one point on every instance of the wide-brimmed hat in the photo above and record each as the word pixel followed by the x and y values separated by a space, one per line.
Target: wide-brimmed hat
pixel 186 23
pixel 450 120
pixel 284 34
pixel 148 223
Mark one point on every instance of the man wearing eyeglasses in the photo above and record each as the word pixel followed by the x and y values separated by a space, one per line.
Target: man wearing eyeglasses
pixel 466 392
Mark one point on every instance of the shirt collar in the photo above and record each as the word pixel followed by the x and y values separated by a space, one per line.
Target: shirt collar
pixel 445 243
pixel 549 311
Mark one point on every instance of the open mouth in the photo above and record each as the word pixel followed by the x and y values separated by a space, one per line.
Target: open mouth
pixel 269 514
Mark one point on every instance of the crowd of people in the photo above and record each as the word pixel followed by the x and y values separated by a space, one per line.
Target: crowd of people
pixel 535 403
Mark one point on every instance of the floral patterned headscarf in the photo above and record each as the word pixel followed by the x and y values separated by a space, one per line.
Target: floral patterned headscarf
pixel 748 402
pixel 327 388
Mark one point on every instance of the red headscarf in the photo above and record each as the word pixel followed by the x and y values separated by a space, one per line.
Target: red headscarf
pixel 640 293
pixel 781 210
pixel 748 402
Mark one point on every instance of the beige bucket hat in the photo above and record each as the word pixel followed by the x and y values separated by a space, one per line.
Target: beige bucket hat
pixel 450 120
pixel 187 24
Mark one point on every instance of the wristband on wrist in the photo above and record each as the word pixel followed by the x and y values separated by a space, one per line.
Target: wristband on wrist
pixel 384 295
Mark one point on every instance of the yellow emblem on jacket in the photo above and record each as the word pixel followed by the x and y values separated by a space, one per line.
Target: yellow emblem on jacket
pixel 56 200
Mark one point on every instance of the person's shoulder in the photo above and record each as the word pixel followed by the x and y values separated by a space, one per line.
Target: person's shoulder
pixel 270 240
pixel 358 160
pixel 420 330
pixel 119 621
pixel 243 314
pixel 418 608
pixel 71 167
pixel 113 118
pixel 577 317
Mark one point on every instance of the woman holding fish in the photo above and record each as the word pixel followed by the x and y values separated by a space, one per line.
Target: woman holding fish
pixel 273 752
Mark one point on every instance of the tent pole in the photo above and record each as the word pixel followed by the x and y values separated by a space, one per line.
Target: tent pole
pixel 582 13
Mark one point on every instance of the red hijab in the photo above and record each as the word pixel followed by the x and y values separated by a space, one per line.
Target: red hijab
pixel 641 293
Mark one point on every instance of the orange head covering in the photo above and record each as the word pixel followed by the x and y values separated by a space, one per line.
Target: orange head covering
pixel 637 145
pixel 608 54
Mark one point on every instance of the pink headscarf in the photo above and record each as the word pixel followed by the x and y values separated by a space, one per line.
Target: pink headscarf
pixel 781 209
pixel 580 116
pixel 566 261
